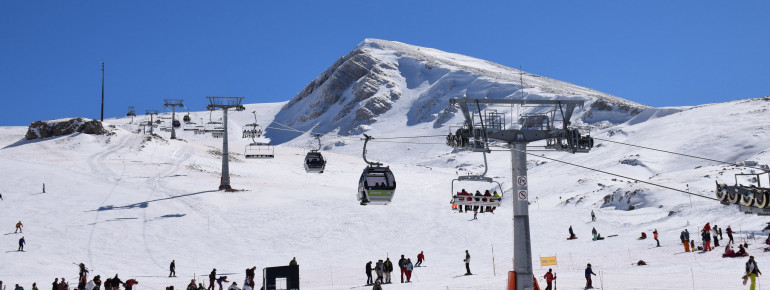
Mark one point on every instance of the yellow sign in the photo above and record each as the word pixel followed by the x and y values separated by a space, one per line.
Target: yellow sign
pixel 547 261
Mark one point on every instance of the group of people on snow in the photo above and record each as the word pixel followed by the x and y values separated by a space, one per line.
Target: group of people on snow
pixel 383 270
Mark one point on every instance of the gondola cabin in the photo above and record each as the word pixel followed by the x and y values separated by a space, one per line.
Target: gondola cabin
pixel 376 186
pixel 314 162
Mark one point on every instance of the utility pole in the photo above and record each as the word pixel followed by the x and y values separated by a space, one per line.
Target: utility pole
pixel 173 103
pixel 475 135
pixel 225 103
pixel 151 113
pixel 102 117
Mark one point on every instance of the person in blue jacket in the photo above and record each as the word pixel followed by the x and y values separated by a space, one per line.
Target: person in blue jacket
pixel 22 242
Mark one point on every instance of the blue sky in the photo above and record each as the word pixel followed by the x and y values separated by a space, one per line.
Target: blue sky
pixel 659 53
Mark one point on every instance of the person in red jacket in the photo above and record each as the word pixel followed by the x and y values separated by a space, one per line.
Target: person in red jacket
pixel 420 257
pixel 549 277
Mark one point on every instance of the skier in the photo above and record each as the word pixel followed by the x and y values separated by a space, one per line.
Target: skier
pixel 172 269
pixel 22 242
pixel 589 272
pixel 369 273
pixel 549 277
pixel 220 280
pixel 293 262
pixel 420 258
pixel 655 236
pixel 593 216
pixel 83 273
pixel 752 270
pixel 729 234
pixel 402 266
pixel 116 282
pixel 467 263
pixel 130 284
pixel 409 268
pixel 212 278
pixel 18 227
pixel 388 270
pixel 571 234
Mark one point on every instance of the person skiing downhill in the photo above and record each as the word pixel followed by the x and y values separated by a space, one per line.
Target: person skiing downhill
pixel 588 273
pixel 22 242
pixel 420 258
pixel 549 277
pixel 18 228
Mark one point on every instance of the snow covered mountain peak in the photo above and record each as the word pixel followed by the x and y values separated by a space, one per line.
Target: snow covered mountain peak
pixel 398 83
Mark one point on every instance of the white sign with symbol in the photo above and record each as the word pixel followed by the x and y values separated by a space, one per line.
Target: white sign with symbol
pixel 522 195
pixel 522 181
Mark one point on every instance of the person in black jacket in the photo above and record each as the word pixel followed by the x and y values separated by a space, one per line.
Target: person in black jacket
pixel 402 265
pixel 212 278
pixel 467 263
pixel 55 284
pixel 369 273
pixel 172 269
pixel 116 282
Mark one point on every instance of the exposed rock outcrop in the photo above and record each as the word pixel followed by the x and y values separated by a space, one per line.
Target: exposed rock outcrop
pixel 45 129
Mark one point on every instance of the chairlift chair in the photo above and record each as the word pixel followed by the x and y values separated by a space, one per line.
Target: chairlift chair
pixel 483 185
pixel 252 130
pixel 377 184
pixel 259 150
pixel 314 160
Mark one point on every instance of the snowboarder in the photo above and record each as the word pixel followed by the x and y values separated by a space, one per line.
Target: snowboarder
pixel 388 270
pixel 589 272
pixel 729 234
pixel 655 236
pixel 220 280
pixel 593 216
pixel 549 277
pixel 402 266
pixel 467 263
pixel 571 234
pixel 293 262
pixel 420 258
pixel 212 278
pixel 752 270
pixel 22 242
pixel 18 227
pixel 172 269
pixel 369 273
pixel 409 268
